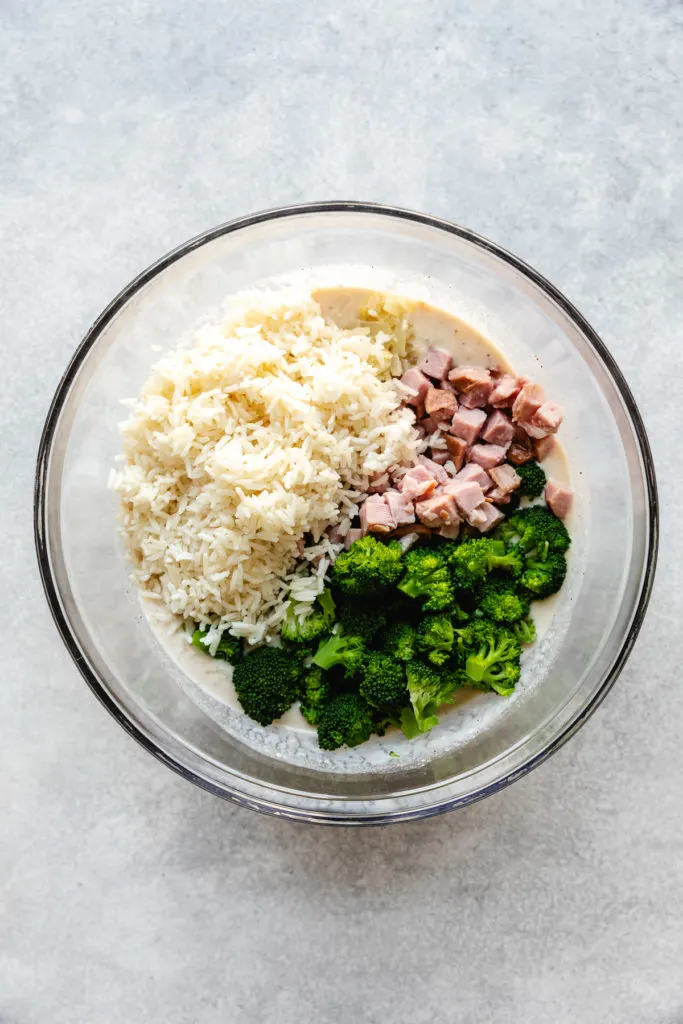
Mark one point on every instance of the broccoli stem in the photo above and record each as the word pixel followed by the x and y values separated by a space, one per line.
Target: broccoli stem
pixel 327 654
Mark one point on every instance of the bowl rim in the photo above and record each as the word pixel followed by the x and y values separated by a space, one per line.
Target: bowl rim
pixel 266 805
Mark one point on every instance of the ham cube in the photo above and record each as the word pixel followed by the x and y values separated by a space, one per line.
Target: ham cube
pixel 545 421
pixel 418 483
pixel 498 429
pixel 505 390
pixel 439 511
pixel 474 385
pixel 505 478
pixel 519 454
pixel 457 449
pixel 440 405
pixel 477 473
pixel 485 517
pixel 440 458
pixel 435 470
pixel 467 424
pixel 418 384
pixel 351 537
pixel 559 498
pixel 401 508
pixel 487 455
pixel 467 494
pixel 375 515
pixel 379 484
pixel 529 399
pixel 450 532
pixel 544 446
pixel 499 496
pixel 436 363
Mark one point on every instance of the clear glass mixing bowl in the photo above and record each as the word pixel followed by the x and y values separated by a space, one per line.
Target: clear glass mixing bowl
pixel 614 551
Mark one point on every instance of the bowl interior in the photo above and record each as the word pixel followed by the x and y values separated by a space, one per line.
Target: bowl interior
pixel 490 740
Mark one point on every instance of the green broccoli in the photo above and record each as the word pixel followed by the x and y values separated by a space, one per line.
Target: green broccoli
pixel 428 690
pixel 267 681
pixel 229 647
pixel 468 562
pixel 500 559
pixel 427 576
pixel 345 719
pixel 533 480
pixel 349 650
pixel 492 654
pixel 435 638
pixel 525 630
pixel 316 691
pixel 383 683
pixel 543 577
pixel 315 625
pixel 535 531
pixel 357 620
pixel 399 641
pixel 503 602
pixel 368 566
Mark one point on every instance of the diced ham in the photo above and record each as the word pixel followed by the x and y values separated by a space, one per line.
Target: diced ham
pixel 334 535
pixel 499 496
pixel 436 363
pixel 473 384
pixel 505 478
pixel 467 494
pixel 379 484
pixel 375 515
pixel 401 507
pixel 519 454
pixel 529 399
pixel 450 532
pixel 545 421
pixel 472 471
pixel 498 429
pixel 505 390
pixel 440 405
pixel 487 455
pixel 486 517
pixel 457 449
pixel 435 470
pixel 418 383
pixel 351 537
pixel 440 458
pixel 441 510
pixel 544 446
pixel 559 498
pixel 430 425
pixel 467 424
pixel 418 483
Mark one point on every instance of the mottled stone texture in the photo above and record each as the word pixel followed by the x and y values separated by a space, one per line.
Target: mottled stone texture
pixel 128 895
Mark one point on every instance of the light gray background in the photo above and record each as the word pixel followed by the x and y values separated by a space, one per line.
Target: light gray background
pixel 553 127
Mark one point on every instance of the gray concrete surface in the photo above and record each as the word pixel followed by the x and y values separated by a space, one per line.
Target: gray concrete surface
pixel 128 895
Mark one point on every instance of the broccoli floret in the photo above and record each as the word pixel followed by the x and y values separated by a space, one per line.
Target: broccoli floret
pixel 384 681
pixel 428 689
pixel 267 681
pixel 435 638
pixel 316 691
pixel 345 649
pixel 368 566
pixel 533 480
pixel 345 719
pixel 492 655
pixel 229 647
pixel 503 602
pixel 525 630
pixel 543 577
pixel 399 641
pixel 468 562
pixel 315 625
pixel 427 576
pixel 507 561
pixel 535 531
pixel 357 620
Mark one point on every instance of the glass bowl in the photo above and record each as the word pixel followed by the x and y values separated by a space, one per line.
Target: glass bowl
pixel 614 543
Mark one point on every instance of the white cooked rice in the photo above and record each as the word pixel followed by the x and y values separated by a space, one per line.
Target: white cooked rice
pixel 268 428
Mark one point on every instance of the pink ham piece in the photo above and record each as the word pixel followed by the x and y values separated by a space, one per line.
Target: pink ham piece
pixel 351 537
pixel 477 473
pixel 473 384
pixel 375 515
pixel 467 494
pixel 435 470
pixel 379 484
pixel 505 478
pixel 529 399
pixel 545 421
pixel 487 455
pixel 436 363
pixel 440 458
pixel 418 483
pixel 485 517
pixel 544 446
pixel 440 405
pixel 450 532
pixel 439 511
pixel 418 383
pixel 559 498
pixel 519 454
pixel 505 390
pixel 401 508
pixel 499 496
pixel 467 424
pixel 430 425
pixel 333 535
pixel 457 449
pixel 498 429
